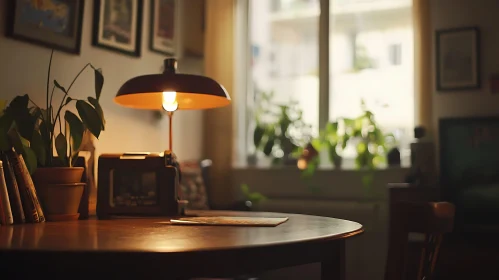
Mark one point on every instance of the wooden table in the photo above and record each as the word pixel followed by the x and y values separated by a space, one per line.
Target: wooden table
pixel 142 248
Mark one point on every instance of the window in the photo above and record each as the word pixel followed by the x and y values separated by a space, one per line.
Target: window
pixel 370 60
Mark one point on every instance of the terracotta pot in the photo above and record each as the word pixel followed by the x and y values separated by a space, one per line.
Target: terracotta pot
pixel 59 190
pixel 60 201
pixel 58 175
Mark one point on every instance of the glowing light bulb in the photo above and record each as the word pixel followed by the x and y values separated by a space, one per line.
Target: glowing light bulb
pixel 170 103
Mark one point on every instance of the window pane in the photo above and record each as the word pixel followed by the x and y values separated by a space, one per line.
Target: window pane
pixel 284 58
pixel 371 58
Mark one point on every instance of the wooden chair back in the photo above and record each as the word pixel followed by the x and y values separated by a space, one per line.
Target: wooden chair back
pixel 432 219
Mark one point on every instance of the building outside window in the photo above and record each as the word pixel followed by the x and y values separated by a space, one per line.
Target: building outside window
pixel 370 58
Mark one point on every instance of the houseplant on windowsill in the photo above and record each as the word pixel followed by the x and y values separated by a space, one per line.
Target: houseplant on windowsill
pixel 49 141
pixel 279 130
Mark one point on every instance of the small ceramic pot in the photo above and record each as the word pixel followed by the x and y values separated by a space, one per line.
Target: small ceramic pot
pixel 58 175
pixel 60 201
pixel 59 190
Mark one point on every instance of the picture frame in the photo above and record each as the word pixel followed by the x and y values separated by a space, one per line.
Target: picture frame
pixel 163 27
pixel 53 25
pixel 458 59
pixel 118 26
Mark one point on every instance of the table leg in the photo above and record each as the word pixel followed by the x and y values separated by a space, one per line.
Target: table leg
pixel 333 261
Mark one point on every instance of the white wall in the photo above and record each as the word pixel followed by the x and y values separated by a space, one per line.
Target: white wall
pixel 462 13
pixel 23 69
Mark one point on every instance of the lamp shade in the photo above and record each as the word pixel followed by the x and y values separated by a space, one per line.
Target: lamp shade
pixel 192 91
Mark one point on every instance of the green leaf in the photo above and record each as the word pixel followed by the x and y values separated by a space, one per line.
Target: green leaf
pixel 312 165
pixel 19 102
pixel 317 144
pixel 98 108
pixel 45 115
pixel 90 117
pixel 99 82
pixel 38 146
pixel 68 99
pixel 361 148
pixel 76 129
pixel 267 149
pixel 332 127
pixel 258 135
pixel 314 189
pixel 367 180
pixel 57 85
pixel 345 141
pixel 61 147
pixel 5 125
pixel 44 132
pixel 25 121
pixel 16 140
pixel 30 159
pixel 276 161
pixel 333 155
pixel 245 189
pixel 21 146
pixel 74 158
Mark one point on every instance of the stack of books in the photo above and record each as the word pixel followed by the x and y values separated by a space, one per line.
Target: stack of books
pixel 18 200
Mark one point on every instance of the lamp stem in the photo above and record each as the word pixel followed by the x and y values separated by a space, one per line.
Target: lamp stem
pixel 170 118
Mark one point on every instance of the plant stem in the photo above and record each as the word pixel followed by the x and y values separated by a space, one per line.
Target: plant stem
pixel 34 103
pixel 74 80
pixel 50 150
pixel 55 121
pixel 51 96
pixel 52 114
pixel 60 126
pixel 57 117
pixel 48 79
pixel 68 137
pixel 62 105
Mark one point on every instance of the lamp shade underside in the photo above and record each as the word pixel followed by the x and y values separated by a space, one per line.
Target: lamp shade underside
pixel 193 92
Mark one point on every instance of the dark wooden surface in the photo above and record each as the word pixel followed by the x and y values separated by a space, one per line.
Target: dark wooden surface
pixel 163 251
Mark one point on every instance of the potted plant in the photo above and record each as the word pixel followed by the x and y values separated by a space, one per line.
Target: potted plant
pixel 280 130
pixel 49 140
pixel 370 140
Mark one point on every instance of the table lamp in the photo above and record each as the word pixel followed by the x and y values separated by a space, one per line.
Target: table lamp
pixel 171 91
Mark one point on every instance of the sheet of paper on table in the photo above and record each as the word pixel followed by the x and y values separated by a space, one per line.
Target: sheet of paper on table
pixel 229 221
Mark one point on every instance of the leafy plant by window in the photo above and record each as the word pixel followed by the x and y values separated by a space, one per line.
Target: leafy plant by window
pixel 279 129
pixel 254 197
pixel 35 131
pixel 363 132
pixel 370 144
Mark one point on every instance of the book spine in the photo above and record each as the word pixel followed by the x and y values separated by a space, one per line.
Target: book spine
pixel 7 218
pixel 3 218
pixel 22 176
pixel 32 190
pixel 13 189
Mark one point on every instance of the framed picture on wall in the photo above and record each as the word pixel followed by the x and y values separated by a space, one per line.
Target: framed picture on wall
pixel 458 58
pixel 53 24
pixel 162 27
pixel 117 25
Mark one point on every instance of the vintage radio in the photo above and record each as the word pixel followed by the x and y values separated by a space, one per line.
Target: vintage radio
pixel 138 184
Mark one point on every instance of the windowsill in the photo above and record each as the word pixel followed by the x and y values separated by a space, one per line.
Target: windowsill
pixel 348 165
pixel 320 169
pixel 286 182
